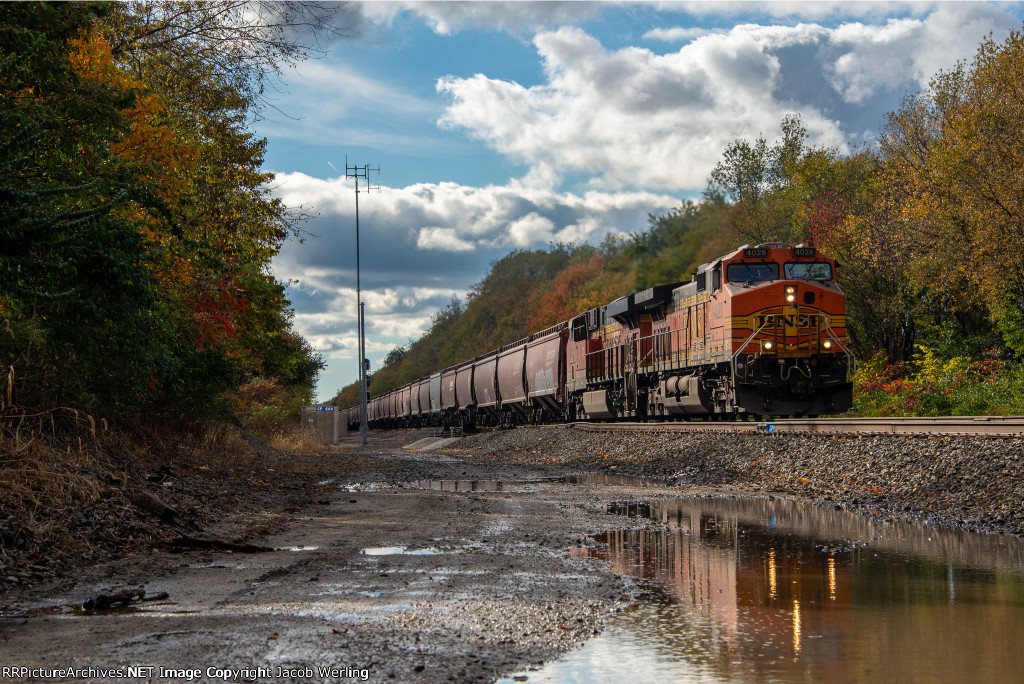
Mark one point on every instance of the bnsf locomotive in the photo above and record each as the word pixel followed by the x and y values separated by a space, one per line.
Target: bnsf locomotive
pixel 760 331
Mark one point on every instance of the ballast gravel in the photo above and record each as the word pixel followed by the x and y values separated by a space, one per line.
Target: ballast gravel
pixel 976 484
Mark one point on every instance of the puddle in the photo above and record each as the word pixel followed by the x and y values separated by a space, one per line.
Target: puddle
pixel 461 485
pixel 156 607
pixel 741 590
pixel 520 485
pixel 476 485
pixel 611 479
pixel 364 487
pixel 400 550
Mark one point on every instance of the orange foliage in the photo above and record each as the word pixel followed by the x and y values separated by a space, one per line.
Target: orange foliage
pixel 165 163
pixel 151 144
pixel 580 286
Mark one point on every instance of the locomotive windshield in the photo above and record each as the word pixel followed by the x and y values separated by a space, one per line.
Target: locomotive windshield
pixel 818 270
pixel 748 273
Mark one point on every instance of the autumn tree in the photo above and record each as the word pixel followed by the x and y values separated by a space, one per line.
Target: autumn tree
pixel 137 224
pixel 588 281
pixel 76 294
pixel 956 150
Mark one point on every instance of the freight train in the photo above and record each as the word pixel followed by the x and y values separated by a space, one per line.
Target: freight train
pixel 758 332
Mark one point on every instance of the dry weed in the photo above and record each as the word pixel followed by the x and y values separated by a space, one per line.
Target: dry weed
pixel 35 471
pixel 302 440
pixel 65 482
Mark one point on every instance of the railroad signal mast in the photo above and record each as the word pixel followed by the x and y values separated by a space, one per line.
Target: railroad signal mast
pixel 357 172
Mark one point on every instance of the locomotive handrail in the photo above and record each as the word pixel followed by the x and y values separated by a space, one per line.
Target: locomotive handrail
pixel 846 349
pixel 653 337
pixel 639 361
pixel 767 319
pixel 615 358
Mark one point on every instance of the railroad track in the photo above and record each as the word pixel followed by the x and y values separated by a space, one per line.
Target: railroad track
pixel 976 426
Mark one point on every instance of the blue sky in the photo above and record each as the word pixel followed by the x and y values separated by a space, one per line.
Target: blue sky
pixel 505 125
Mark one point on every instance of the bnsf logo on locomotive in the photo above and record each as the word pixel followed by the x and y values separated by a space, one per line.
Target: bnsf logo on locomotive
pixel 792 321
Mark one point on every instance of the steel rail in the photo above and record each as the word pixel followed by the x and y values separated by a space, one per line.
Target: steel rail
pixel 975 426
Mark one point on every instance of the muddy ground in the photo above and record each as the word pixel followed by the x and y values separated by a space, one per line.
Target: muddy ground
pixel 447 564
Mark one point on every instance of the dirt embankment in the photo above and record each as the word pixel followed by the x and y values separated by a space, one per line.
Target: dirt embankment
pixel 971 483
pixel 73 497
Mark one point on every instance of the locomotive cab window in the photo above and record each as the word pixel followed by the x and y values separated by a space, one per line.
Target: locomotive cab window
pixel 751 273
pixel 817 270
pixel 716 279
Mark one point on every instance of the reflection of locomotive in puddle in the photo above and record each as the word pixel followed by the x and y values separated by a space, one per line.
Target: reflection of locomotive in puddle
pixel 749 587
pixel 766 588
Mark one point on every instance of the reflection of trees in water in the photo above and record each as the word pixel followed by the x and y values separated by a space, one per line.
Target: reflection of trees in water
pixel 760 588
pixel 838 527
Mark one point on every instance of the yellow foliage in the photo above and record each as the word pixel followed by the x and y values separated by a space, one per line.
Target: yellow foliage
pixel 932 369
pixel 954 157
pixel 151 142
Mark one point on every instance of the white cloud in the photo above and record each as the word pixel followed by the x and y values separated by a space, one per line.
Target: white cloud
pixel 529 230
pixel 882 57
pixel 452 17
pixel 631 117
pixel 433 292
pixel 635 118
pixel 680 34
pixel 454 218
pixel 443 239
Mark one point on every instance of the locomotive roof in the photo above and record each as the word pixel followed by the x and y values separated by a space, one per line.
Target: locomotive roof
pixel 739 250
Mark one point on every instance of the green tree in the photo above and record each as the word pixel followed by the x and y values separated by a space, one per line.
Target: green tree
pixel 756 178
pixel 74 272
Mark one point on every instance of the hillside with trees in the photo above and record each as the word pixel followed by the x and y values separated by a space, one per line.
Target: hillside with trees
pixel 927 224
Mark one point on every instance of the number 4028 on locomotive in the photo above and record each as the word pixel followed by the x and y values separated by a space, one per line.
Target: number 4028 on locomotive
pixel 760 331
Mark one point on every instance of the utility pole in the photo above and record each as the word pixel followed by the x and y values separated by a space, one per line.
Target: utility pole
pixel 363 172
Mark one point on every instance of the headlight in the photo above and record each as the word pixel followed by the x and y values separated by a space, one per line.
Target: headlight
pixel 790 290
pixel 827 344
pixel 768 345
pixel 790 298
